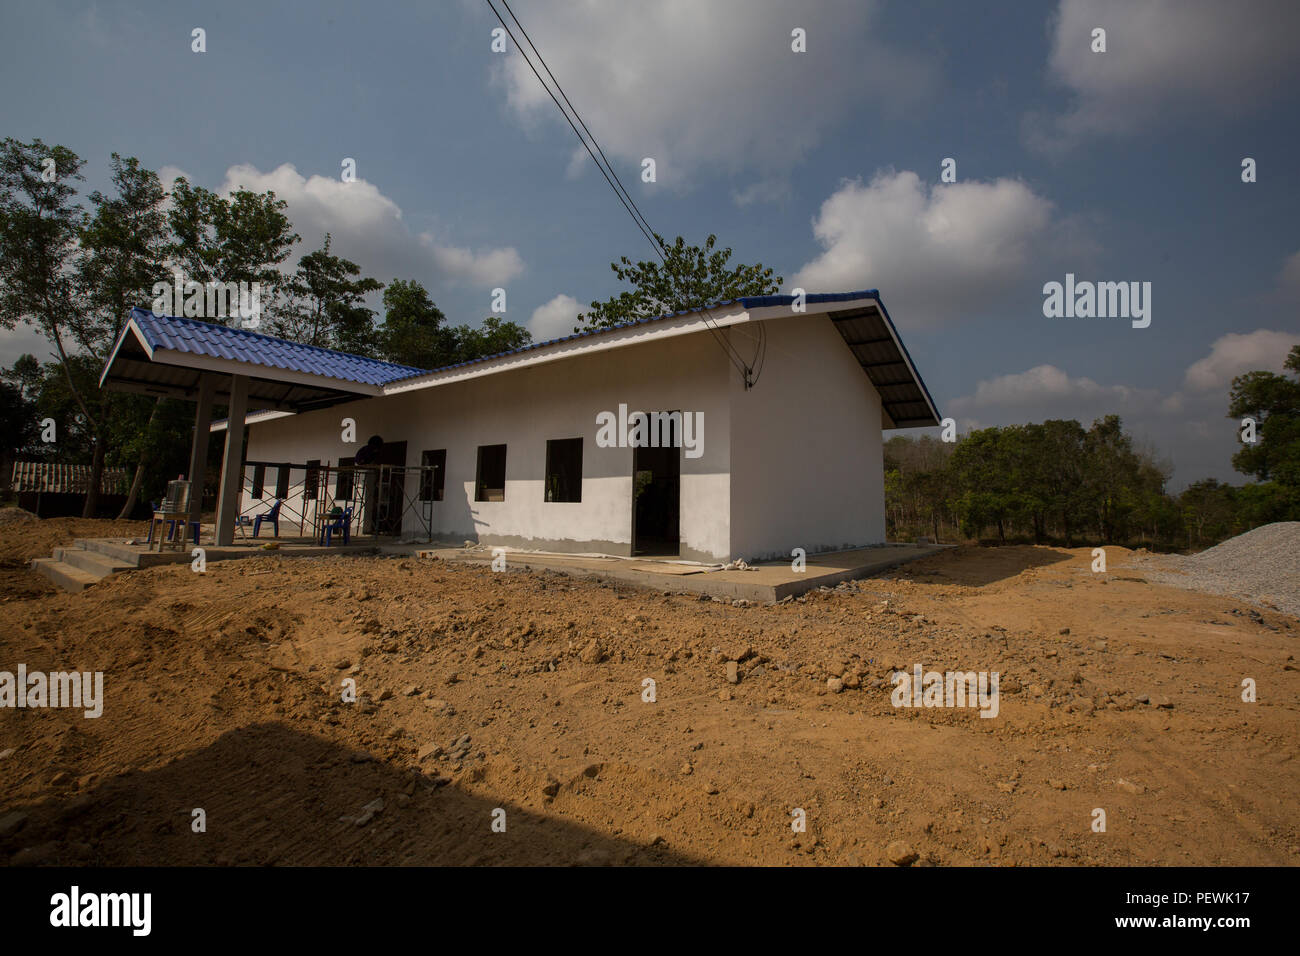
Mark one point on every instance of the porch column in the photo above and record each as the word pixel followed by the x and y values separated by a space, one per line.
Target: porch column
pixel 231 492
pixel 199 450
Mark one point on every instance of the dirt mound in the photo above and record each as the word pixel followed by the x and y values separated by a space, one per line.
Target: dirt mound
pixel 617 725
pixel 10 516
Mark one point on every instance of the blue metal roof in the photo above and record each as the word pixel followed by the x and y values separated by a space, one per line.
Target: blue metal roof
pixel 241 345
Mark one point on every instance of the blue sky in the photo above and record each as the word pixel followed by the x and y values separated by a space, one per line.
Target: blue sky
pixel 1115 166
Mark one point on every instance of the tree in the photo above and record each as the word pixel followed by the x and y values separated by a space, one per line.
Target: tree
pixel 124 245
pixel 1274 402
pixel 492 338
pixel 413 331
pixel 327 309
pixel 39 230
pixel 243 237
pixel 690 277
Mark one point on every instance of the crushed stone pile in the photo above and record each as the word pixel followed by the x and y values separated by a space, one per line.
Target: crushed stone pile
pixel 1261 566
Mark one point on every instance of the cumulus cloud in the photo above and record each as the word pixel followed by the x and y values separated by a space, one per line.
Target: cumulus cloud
pixel 1164 59
pixel 1048 392
pixel 932 248
pixel 1189 428
pixel 1235 353
pixel 709 85
pixel 366 226
pixel 554 319
pixel 762 190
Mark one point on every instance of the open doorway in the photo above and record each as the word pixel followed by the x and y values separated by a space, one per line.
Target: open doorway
pixel 390 502
pixel 656 495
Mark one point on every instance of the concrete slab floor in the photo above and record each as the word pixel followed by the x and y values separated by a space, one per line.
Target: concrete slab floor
pixel 767 582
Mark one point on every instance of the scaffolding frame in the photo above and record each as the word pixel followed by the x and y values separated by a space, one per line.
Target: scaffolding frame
pixel 312 496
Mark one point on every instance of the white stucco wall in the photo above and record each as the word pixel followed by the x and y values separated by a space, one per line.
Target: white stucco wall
pixel 522 409
pixel 806 447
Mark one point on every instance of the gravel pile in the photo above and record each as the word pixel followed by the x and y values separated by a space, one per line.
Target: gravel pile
pixel 1260 566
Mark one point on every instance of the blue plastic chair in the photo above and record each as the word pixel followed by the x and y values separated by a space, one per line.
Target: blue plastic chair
pixel 272 517
pixel 342 523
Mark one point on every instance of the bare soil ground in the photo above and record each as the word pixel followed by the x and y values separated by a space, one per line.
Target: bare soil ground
pixel 523 691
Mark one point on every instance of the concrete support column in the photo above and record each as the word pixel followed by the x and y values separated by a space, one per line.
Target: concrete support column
pixel 231 492
pixel 199 450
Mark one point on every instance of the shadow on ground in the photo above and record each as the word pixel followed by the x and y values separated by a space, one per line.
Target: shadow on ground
pixel 976 566
pixel 276 796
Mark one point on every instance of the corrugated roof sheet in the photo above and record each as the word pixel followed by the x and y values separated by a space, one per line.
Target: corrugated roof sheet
pixel 241 345
pixel 56 478
pixel 869 333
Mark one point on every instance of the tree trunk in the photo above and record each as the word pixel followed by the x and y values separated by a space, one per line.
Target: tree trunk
pixel 139 468
pixel 131 495
pixel 96 475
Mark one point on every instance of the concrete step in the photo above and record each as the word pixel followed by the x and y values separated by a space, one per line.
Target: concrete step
pixel 70 578
pixel 100 565
pixel 118 552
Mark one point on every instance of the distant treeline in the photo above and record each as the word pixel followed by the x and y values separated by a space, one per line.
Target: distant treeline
pixel 1058 483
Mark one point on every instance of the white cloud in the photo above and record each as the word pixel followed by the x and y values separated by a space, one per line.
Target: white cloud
pixel 1190 430
pixel 1047 392
pixel 1164 59
pixel 1235 353
pixel 366 226
pixel 935 251
pixel 708 85
pixel 555 318
pixel 23 339
pixel 772 190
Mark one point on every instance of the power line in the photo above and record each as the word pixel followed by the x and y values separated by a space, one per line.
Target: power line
pixel 578 116
pixel 649 235
pixel 620 191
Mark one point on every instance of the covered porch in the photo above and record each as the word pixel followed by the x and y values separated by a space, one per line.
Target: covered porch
pixel 216 365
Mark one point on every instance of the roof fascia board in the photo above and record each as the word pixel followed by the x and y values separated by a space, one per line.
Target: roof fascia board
pixel 130 327
pixel 251 418
pixel 265 372
pixel 570 348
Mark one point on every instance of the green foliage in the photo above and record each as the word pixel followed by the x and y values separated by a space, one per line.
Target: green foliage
pixel 491 338
pixel 123 254
pixel 1274 402
pixel 414 331
pixel 326 309
pixel 240 238
pixel 689 277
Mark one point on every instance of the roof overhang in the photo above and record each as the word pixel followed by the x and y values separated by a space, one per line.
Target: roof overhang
pixel 870 335
pixel 136 366
pixel 860 317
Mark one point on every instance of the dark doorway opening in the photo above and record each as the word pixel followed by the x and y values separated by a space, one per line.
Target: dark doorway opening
pixel 656 494
pixel 390 500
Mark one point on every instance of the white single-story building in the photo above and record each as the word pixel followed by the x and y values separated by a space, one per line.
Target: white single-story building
pixel 778 444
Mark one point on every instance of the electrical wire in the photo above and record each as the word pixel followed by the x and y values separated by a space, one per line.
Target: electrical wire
pixel 747 370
